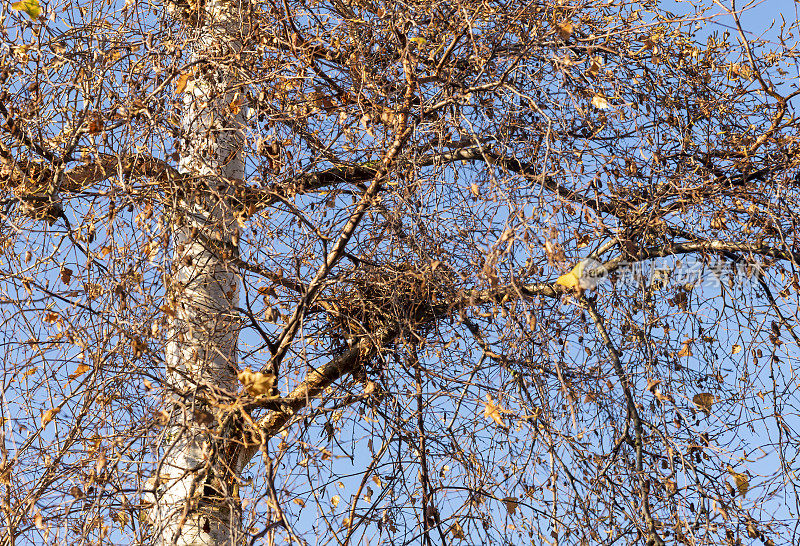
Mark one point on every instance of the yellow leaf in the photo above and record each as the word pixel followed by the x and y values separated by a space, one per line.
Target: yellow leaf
pixel 38 521
pixel 257 383
pixel 377 480
pixel 571 279
pixel 31 7
pixel 236 105
pixel 335 501
pixel 686 350
pixel 80 370
pixel 735 349
pixel 48 416
pixel 180 83
pixel 599 102
pixel 494 411
pixel 120 518
pixel 419 41
pixel 704 401
pixel 742 482
pixel 576 279
pixel 457 531
pixel 564 29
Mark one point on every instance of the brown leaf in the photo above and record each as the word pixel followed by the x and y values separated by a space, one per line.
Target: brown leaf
pixel 565 29
pixel 494 411
pixel 180 83
pixel 594 68
pixel 742 481
pixel 80 370
pixel 38 521
pixel 686 350
pixel 5 473
pixel 52 317
pixel 66 275
pixel 457 531
pixel 652 384
pixel 101 462
pixel 256 383
pixel 48 416
pixel 718 506
pixel 704 401
pixel 511 504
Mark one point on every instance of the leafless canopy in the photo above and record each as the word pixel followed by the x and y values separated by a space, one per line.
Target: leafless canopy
pixel 415 361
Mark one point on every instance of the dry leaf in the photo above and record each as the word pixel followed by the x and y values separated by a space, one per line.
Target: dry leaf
pixel 335 501
pixel 48 416
pixel 38 521
pixel 5 473
pixel 30 7
pixel 167 310
pixel 101 462
pixel 594 68
pixel 457 531
pixel 735 349
pixel 742 481
pixel 600 102
pixel 180 83
pixel 257 383
pixel 511 504
pixel 80 370
pixel 686 350
pixel 66 275
pixel 565 29
pixel 52 317
pixel 717 506
pixel 704 401
pixel 494 411
pixel 652 384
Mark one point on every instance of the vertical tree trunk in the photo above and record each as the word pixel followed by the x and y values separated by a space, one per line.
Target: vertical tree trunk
pixel 195 501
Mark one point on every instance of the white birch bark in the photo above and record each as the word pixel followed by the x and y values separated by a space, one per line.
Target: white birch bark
pixel 195 503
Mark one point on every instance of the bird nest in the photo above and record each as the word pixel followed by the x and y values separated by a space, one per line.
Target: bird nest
pixel 399 297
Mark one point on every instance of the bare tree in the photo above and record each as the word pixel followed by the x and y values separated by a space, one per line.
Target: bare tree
pixel 351 272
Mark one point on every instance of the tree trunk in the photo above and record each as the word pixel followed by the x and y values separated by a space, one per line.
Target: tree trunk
pixel 195 500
